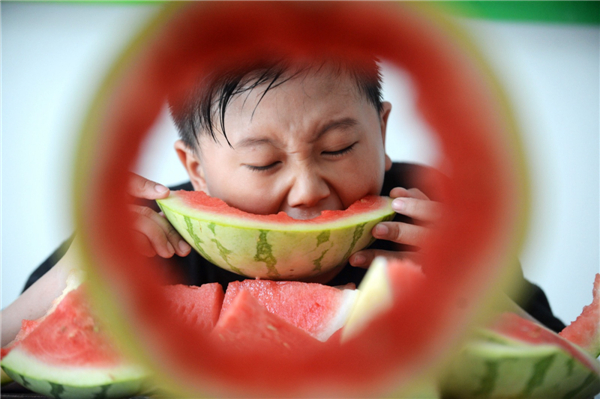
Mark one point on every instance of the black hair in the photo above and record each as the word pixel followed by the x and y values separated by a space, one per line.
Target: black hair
pixel 206 103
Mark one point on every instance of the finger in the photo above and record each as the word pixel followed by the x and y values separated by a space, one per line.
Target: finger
pixel 141 187
pixel 162 236
pixel 365 258
pixel 401 233
pixel 418 209
pixel 181 247
pixel 143 245
pixel 410 193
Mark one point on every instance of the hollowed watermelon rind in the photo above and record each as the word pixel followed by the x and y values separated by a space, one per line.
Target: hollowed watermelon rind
pixel 73 382
pixel 270 250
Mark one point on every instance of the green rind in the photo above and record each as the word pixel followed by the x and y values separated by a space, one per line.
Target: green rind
pixel 270 250
pixel 486 369
pixel 74 383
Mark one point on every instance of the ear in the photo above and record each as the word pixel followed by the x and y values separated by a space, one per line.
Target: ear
pixel 383 119
pixel 192 164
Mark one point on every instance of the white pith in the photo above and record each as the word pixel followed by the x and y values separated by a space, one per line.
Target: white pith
pixel 177 205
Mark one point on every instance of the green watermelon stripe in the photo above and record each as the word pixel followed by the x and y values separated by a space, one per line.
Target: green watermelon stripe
pixel 358 232
pixel 317 262
pixel 57 390
pixel 224 252
pixel 488 381
pixel 570 365
pixel 211 227
pixel 197 240
pixel 264 253
pixel 575 392
pixel 540 368
pixel 24 381
pixel 103 394
pixel 323 237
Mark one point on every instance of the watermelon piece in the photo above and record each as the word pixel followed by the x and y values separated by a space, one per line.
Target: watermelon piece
pixel 386 281
pixel 518 357
pixel 585 330
pixel 277 246
pixel 70 355
pixel 248 327
pixel 317 309
pixel 199 307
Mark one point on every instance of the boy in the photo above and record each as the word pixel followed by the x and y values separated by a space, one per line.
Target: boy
pixel 271 137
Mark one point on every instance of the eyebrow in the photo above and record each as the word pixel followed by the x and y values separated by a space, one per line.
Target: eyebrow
pixel 343 123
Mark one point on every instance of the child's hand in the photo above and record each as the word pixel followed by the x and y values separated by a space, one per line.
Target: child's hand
pixel 154 235
pixel 414 204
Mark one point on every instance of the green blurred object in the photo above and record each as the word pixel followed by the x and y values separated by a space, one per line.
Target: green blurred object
pixel 564 12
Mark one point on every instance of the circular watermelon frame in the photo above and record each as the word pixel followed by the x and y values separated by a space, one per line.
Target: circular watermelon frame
pixel 470 254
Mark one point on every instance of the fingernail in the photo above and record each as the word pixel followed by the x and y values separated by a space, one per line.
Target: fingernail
pixel 184 246
pixel 170 248
pixel 381 230
pixel 359 259
pixel 160 189
pixel 398 205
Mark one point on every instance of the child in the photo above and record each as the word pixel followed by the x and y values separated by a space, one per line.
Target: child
pixel 274 137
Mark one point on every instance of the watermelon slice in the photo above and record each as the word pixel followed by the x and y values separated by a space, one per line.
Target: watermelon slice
pixel 518 357
pixel 585 330
pixel 385 281
pixel 318 309
pixel 247 326
pixel 273 246
pixel 68 354
pixel 199 307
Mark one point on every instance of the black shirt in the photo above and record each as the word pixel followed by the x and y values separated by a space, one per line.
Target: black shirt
pixel 195 270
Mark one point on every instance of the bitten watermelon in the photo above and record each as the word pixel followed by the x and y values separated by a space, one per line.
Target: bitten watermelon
pixel 275 247
pixel 69 354
pixel 317 309
pixel 585 330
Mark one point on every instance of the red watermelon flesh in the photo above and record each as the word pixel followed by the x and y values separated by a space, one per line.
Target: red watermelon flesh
pixel 318 309
pixel 248 326
pixel 199 306
pixel 585 330
pixel 528 331
pixel 27 326
pixel 71 336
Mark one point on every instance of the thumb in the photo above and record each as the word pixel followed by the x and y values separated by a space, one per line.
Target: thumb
pixel 140 187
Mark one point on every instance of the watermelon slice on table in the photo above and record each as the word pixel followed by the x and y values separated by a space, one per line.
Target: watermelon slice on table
pixel 248 327
pixel 318 309
pixel 277 246
pixel 585 330
pixel 200 307
pixel 68 354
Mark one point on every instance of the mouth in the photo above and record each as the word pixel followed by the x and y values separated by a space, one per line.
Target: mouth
pixel 303 214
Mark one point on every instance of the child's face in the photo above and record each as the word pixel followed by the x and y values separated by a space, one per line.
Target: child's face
pixel 313 143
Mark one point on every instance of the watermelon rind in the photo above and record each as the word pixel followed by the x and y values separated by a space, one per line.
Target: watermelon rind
pixel 74 382
pixel 486 369
pixel 5 378
pixel 266 249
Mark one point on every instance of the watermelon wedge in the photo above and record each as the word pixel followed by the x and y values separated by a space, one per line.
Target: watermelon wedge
pixel 248 327
pixel 199 307
pixel 277 246
pixel 385 281
pixel 317 309
pixel 519 358
pixel 585 330
pixel 69 354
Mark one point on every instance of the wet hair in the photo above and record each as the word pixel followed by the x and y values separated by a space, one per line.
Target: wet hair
pixel 203 109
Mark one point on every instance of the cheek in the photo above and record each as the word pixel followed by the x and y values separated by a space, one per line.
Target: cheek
pixel 362 176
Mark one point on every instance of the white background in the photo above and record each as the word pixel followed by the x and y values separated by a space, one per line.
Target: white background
pixel 55 55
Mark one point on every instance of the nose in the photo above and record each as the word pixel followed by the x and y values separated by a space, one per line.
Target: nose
pixel 308 188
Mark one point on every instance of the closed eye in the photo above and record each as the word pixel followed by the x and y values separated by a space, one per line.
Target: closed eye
pixel 339 153
pixel 265 168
